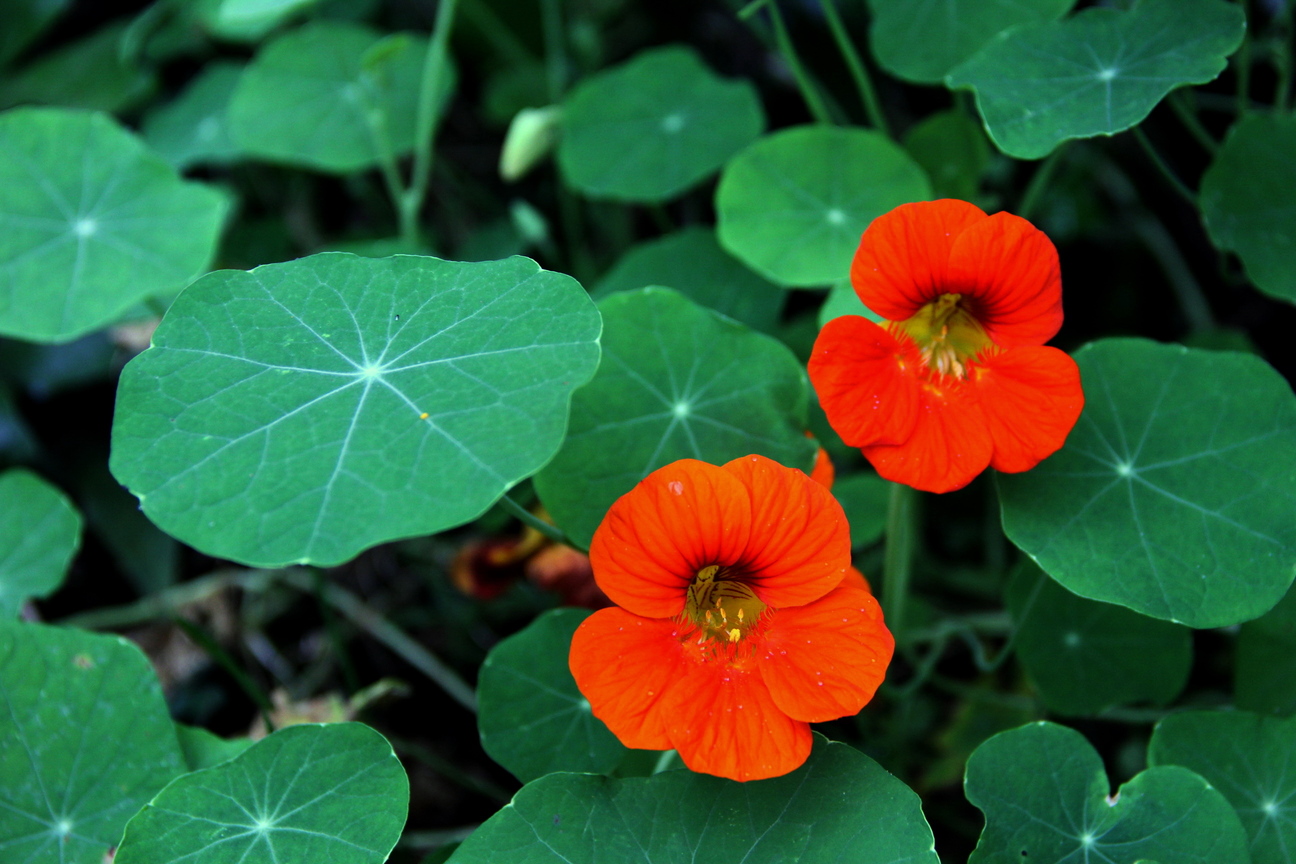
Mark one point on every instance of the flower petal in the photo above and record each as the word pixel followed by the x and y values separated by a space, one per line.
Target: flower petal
pixel 799 547
pixel 1031 398
pixel 903 258
pixel 825 660
pixel 656 537
pixel 723 721
pixel 865 377
pixel 854 578
pixel 1009 270
pixel 950 444
pixel 823 472
pixel 625 665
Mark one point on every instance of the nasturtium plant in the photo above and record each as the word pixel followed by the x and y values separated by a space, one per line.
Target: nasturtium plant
pixel 842 300
pixel 922 40
pixel 863 498
pixel 653 127
pixel 533 720
pixel 1249 758
pixel 676 382
pixel 1097 72
pixel 202 749
pixel 692 262
pixel 84 743
pixel 1243 202
pixel 194 128
pixel 792 206
pixel 331 96
pixel 317 792
pixel 25 20
pixel 425 388
pixel 1165 497
pixel 1264 670
pixel 840 806
pixel 952 149
pixel 40 531
pixel 1084 656
pixel 247 20
pixel 1045 796
pixel 91 223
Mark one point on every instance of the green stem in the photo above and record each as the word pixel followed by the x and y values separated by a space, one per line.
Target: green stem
pixel 1039 181
pixel 1189 293
pixel 751 9
pixel 435 68
pixel 495 31
pixel 528 518
pixel 868 95
pixel 1185 113
pixel 814 101
pixel 897 562
pixel 168 601
pixel 335 634
pixel 1170 176
pixel 448 769
pixel 204 640
pixel 555 49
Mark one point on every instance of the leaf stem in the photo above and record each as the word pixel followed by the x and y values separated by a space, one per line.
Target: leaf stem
pixel 897 562
pixel 168 601
pixel 213 649
pixel 751 9
pixel 1039 181
pixel 435 67
pixel 1185 113
pixel 530 519
pixel 554 48
pixel 858 71
pixel 1169 175
pixel 813 99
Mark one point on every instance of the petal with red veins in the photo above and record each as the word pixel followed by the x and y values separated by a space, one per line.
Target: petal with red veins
pixel 950 445
pixel 1031 398
pixel 866 378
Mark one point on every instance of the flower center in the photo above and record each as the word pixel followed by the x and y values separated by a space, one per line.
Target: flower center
pixel 947 335
pixel 723 608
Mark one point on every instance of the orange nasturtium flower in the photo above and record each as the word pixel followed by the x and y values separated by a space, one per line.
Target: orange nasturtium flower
pixel 959 377
pixel 738 620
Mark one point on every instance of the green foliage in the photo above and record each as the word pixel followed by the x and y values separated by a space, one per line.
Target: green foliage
pixel 838 807
pixel 792 206
pixel 24 21
pixel 1165 496
pixel 532 719
pixel 922 40
pixel 331 96
pixel 92 224
pixel 193 129
pixel 953 150
pixel 650 129
pixel 1265 670
pixel 93 73
pixel 1098 72
pixel 85 741
pixel 864 499
pixel 1044 793
pixel 692 262
pixel 330 792
pixel 677 382
pixel 305 411
pixel 842 300
pixel 202 749
pixel 1248 758
pixel 40 531
pixel 247 20
pixel 1084 656
pixel 1245 201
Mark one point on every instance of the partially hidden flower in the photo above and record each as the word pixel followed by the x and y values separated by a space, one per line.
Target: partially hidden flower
pixel 958 378
pixel 739 620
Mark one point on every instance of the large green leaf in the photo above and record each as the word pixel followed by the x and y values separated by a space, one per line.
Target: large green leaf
pixel 305 411
pixel 677 381
pixel 839 807
pixel 91 223
pixel 1096 73
pixel 40 531
pixel 330 96
pixel 1173 495
pixel 533 720
pixel 1265 663
pixel 312 793
pixel 692 262
pixel 85 741
pixel 193 128
pixel 793 205
pixel 93 73
pixel 1044 793
pixel 1085 656
pixel 651 128
pixel 1246 199
pixel 921 40
pixel 1251 759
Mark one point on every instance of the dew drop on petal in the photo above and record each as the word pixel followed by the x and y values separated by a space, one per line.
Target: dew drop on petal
pixel 676 486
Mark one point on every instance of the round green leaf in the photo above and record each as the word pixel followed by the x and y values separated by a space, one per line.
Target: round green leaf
pixel 1084 656
pixel 840 807
pixel 1044 793
pixel 921 40
pixel 1174 492
pixel 1249 758
pixel 1096 73
pixel 308 410
pixel 651 128
pixel 202 749
pixel 677 382
pixel 91 223
pixel 864 498
pixel 1264 674
pixel 793 205
pixel 322 792
pixel 40 531
pixel 85 741
pixel 533 720
pixel 692 262
pixel 330 96
pixel 842 300
pixel 1246 199
pixel 193 128
pixel 951 147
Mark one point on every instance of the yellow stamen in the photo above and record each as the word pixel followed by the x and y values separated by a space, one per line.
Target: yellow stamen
pixel 947 334
pixel 722 606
